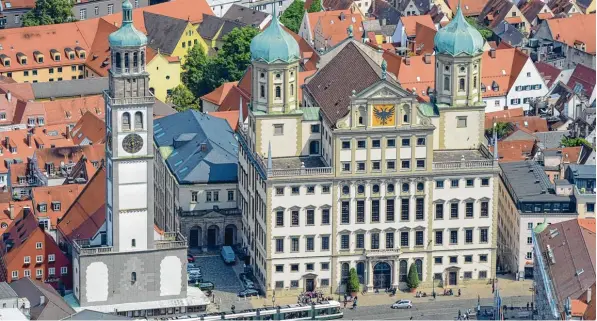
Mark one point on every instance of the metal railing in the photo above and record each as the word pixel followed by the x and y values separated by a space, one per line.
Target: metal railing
pixel 83 247
pixel 299 172
pixel 382 252
pixel 225 211
pixel 128 100
pixel 171 240
pixel 464 164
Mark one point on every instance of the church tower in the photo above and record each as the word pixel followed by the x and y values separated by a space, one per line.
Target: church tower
pixel 459 50
pixel 129 130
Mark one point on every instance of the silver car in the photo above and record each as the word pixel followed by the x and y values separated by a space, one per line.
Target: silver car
pixel 402 304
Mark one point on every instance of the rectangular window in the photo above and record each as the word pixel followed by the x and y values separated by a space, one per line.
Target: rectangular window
pixel 96 9
pixel 453 259
pixel 453 237
pixel 38 245
pixel 208 196
pixel 64 270
pixel 419 238
pixel 15 275
pixel 405 142
pixel 346 166
pixel 280 268
pixel 82 14
pixel 389 210
pixel 529 256
pixel 361 144
pixel 483 258
pixel 279 218
pixel 360 211
pixel 315 128
pixel 420 208
pixel 279 245
pixel 468 236
pixel 325 189
pixel 310 240
pixel 194 197
pixel 110 9
pixel 279 191
pixel 470 182
pixel 468 259
pixel 51 257
pixel 591 207
pixel 391 143
pixel 294 244
pixel 404 209
pixel 439 211
pixel 469 209
pixel 345 144
pixel 485 182
pixel 295 190
pixel 484 209
pixel 311 189
pixel 438 260
pixel 468 275
pixel 375 211
pixel 420 141
pixel 439 237
pixel 325 216
pixel 453 210
pixel 482 274
pixel 310 217
pixel 484 236
pixel 27 273
pixel 404 238
pixel 439 184
pixel 325 243
pixel 279 129
pixel 230 196
pixel 345 242
pixel 454 183
pixel 375 241
pixel 405 164
pixel 420 163
pixel 325 266
pixel 39 259
pixel 391 165
pixel 376 166
pixel 294 268
pixel 461 122
pixel 294 218
pixel 27 259
pixel 345 217
pixel 376 143
pixel 309 266
pixel 389 240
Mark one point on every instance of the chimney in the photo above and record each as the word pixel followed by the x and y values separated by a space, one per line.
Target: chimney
pixel 11 211
pixel 383 21
pixel 342 16
pixel 492 52
pixel 589 293
pixel 67 132
pixel 9 96
pixel 427 58
pixel 42 300
pixel 407 61
pixel 7 141
pixel 29 139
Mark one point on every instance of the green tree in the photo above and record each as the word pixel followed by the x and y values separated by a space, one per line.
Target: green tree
pixel 573 142
pixel 315 6
pixel 48 12
pixel 503 130
pixel 413 277
pixel 182 98
pixel 293 15
pixel 485 32
pixel 194 71
pixel 353 281
pixel 235 55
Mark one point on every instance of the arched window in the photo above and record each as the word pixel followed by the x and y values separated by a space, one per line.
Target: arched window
pixel 278 92
pixel 118 60
pixel 362 114
pixel 126 60
pixel 138 120
pixel 446 83
pixel 406 114
pixel 291 89
pixel 360 120
pixel 133 277
pixel 133 243
pixel 142 58
pixel 403 270
pixel 345 190
pixel 135 59
pixel 461 84
pixel 262 91
pixel 361 272
pixel 126 121
pixel 475 82
pixel 419 265
pixel 345 272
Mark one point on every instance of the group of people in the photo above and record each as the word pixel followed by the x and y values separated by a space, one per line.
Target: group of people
pixel 354 301
pixel 464 316
pixel 311 297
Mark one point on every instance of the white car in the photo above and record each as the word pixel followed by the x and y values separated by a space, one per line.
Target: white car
pixel 402 304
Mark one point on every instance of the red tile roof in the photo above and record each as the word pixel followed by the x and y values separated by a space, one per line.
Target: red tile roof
pixel 567 30
pixel 584 76
pixel 587 223
pixel 548 72
pixel 515 151
pixel 469 7
pixel 424 39
pixel 49 195
pixel 410 23
pixel 230 116
pixel 501 115
pixel 91 128
pixel 69 155
pixel 217 96
pixel 333 27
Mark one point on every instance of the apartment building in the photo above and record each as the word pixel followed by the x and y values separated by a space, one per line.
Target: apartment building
pixel 363 175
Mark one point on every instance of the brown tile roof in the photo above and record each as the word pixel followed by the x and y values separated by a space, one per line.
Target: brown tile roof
pixel 572 269
pixel 469 7
pixel 332 85
pixel 314 16
pixel 410 23
pixel 89 127
pixel 532 123
pixel 584 76
pixel 330 5
pixel 566 30
pixel 99 56
pixel 230 116
pixel 548 72
pixel 424 39
pixel 18 4
pixel 415 75
pixel 23 226
pixel 217 96
pixel 22 91
pixel 495 12
pixel 592 308
pixel 545 15
pixel 68 155
pixel 333 27
pixel 71 110
pixel 587 223
pixel 88 212
pixel 48 195
pixel 515 151
pixel 560 6
pixel 9 209
pixel 501 115
pixel 531 9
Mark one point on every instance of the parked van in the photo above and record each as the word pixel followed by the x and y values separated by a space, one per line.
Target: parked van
pixel 228 254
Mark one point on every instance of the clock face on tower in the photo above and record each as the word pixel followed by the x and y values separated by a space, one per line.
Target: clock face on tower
pixel 132 143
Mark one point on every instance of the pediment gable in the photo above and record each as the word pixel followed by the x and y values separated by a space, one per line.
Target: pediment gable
pixel 384 89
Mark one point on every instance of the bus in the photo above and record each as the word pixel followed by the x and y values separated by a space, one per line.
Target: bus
pixel 327 310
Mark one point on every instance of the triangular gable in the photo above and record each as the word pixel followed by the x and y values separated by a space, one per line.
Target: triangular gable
pixel 384 89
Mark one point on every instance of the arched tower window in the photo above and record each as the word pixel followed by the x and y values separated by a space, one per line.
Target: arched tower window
pixel 461 84
pixel 138 120
pixel 118 60
pixel 135 60
pixel 126 60
pixel 126 121
pixel 262 91
pixel 142 58
pixel 278 92
pixel 406 114
pixel 291 89
pixel 446 83
pixel 419 265
pixel 133 277
pixel 362 114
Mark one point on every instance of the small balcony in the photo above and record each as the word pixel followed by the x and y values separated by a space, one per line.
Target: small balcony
pixel 84 247
pixel 171 240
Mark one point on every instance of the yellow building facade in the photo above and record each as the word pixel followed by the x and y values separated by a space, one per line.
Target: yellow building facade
pixel 189 38
pixel 164 75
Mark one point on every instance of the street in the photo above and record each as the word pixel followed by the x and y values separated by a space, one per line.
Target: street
pixel 426 309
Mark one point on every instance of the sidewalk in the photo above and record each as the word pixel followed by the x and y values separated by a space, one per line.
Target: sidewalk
pixel 508 287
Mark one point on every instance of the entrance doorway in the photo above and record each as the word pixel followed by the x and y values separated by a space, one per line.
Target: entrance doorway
pixel 194 237
pixel 453 278
pixel 382 276
pixel 309 285
pixel 212 236
pixel 229 235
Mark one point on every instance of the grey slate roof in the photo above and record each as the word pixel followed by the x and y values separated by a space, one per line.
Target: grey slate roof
pixel 582 171
pixel 6 292
pixel 509 34
pixel 54 307
pixel 211 24
pixel 422 5
pixel 94 315
pixel 371 26
pixel 527 181
pixel 384 10
pixel 245 15
pixel 550 139
pixel 162 109
pixel 180 137
pixel 163 32
pixel 69 88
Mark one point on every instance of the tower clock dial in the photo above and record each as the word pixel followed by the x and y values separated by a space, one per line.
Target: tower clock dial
pixel 132 143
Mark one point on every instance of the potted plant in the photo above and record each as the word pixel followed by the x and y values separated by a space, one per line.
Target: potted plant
pixel 413 278
pixel 353 283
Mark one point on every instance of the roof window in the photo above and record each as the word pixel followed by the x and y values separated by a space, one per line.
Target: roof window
pixel 5 60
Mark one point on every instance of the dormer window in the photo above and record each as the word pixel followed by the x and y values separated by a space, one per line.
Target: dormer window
pixel 5 60
pixel 22 58
pixel 13 149
pixel 55 54
pixel 38 56
pixel 43 207
pixel 55 206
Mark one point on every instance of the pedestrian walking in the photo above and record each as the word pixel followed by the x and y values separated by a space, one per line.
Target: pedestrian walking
pixel 459 292
pixel 345 302
pixel 528 305
pixel 459 314
pixel 434 295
